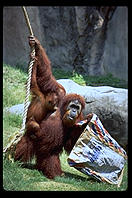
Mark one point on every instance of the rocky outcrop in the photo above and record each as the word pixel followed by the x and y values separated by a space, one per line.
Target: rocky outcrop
pixel 90 40
pixel 110 104
pixel 116 44
pixel 15 34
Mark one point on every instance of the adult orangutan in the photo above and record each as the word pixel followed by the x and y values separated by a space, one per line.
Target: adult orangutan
pixel 56 133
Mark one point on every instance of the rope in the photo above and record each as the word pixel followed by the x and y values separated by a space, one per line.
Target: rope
pixel 29 72
pixel 27 20
pixel 27 90
pixel 17 136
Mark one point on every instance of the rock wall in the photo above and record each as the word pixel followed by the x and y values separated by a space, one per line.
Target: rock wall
pixel 15 34
pixel 59 28
pixel 90 40
pixel 115 57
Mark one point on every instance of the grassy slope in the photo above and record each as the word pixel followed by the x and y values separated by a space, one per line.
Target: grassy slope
pixel 18 178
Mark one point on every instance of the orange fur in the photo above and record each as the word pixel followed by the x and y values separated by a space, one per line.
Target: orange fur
pixel 54 134
pixel 40 105
pixel 47 132
pixel 46 92
pixel 45 79
pixel 50 145
pixel 46 96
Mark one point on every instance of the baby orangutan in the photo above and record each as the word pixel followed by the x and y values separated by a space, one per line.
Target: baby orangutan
pixel 40 107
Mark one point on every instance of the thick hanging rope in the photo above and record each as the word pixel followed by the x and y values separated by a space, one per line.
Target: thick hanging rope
pixel 15 138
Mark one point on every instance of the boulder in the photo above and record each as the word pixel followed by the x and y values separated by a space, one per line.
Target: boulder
pixel 16 109
pixel 110 104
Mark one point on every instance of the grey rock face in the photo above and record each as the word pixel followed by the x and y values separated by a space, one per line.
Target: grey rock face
pixel 80 38
pixel 115 57
pixel 15 34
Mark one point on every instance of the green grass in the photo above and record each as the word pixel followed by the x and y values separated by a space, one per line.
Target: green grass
pixel 13 85
pixel 18 178
pixel 108 79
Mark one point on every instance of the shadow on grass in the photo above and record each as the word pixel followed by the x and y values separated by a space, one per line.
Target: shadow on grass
pixel 78 177
pixel 28 166
pixel 67 174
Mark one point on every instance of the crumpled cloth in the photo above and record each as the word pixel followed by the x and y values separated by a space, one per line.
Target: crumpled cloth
pixel 97 154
